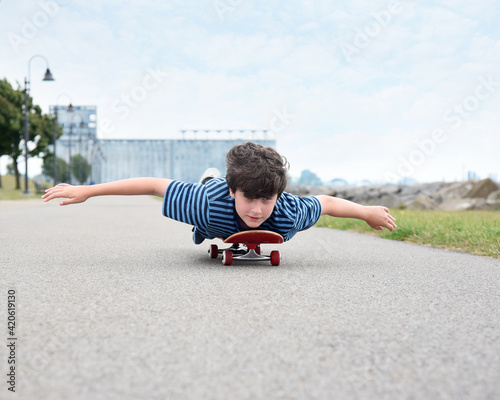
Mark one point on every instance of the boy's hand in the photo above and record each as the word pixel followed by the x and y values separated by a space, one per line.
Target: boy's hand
pixel 378 217
pixel 74 194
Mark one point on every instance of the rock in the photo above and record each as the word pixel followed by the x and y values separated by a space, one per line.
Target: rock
pixel 467 195
pixel 298 190
pixel 482 189
pixel 493 198
pixel 410 190
pixel 390 189
pixel 463 204
pixel 388 200
pixel 431 188
pixel 356 194
pixel 423 202
pixel 454 191
pixel 409 193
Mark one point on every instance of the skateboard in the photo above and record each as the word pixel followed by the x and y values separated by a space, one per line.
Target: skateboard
pixel 246 246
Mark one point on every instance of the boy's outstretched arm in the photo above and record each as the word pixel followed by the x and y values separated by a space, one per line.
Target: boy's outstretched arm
pixel 376 216
pixel 135 186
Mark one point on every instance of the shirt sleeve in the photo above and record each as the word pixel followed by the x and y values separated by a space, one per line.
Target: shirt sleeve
pixel 308 211
pixel 186 202
pixel 295 214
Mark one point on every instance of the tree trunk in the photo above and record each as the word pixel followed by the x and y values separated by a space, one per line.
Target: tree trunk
pixel 16 171
pixel 0 181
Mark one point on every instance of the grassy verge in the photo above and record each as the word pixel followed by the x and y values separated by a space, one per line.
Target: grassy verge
pixel 474 232
pixel 8 191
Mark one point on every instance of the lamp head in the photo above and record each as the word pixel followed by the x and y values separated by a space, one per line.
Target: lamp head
pixel 48 76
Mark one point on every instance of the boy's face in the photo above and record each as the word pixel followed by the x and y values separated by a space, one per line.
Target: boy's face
pixel 253 212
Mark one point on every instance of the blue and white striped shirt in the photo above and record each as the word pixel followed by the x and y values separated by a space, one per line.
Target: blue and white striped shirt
pixel 211 210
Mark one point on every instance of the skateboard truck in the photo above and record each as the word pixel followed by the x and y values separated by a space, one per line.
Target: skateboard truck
pixel 246 247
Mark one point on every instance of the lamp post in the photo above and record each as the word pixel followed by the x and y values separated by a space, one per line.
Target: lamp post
pixel 48 77
pixel 55 140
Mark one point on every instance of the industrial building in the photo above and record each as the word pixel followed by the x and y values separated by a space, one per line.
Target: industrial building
pixel 184 158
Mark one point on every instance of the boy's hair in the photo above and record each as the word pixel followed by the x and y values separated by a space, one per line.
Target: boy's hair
pixel 257 171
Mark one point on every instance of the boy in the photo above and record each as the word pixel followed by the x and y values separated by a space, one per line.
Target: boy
pixel 251 196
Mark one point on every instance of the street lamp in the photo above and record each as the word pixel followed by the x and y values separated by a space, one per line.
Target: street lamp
pixel 48 77
pixel 55 140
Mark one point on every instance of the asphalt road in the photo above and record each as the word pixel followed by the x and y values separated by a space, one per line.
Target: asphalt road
pixel 114 301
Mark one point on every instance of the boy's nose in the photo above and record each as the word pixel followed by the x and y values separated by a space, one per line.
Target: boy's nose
pixel 256 208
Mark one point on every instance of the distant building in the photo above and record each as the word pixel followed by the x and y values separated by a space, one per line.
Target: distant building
pixel 183 159
pixel 79 136
pixel 472 175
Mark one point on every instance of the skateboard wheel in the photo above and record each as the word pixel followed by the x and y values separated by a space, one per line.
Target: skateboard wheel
pixel 227 257
pixel 214 251
pixel 275 258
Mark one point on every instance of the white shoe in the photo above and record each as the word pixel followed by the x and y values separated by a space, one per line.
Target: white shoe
pixel 210 173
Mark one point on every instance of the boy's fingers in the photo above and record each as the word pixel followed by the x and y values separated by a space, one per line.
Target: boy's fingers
pixel 53 194
pixel 66 202
pixel 47 194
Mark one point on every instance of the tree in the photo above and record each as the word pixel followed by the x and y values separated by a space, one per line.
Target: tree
pixel 62 168
pixel 12 126
pixel 80 167
pixel 10 118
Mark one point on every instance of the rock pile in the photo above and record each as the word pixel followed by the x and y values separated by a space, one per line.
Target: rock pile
pixel 468 195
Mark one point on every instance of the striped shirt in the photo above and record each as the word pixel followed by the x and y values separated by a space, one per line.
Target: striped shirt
pixel 211 210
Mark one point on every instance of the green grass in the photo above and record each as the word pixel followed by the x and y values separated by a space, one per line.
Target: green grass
pixel 474 232
pixel 8 191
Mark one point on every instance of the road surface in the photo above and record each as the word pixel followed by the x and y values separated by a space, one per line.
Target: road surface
pixel 114 301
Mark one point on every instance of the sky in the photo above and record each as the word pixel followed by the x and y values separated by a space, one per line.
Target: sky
pixel 351 89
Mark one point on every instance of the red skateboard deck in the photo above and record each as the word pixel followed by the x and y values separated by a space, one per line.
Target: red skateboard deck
pixel 246 246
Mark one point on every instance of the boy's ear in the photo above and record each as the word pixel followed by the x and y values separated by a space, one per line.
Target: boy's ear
pixel 231 193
